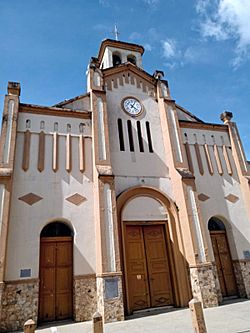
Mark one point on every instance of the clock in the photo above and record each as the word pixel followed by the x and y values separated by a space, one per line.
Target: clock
pixel 132 106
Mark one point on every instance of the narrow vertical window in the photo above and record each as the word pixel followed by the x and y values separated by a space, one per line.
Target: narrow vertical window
pixel 120 133
pixel 140 140
pixel 130 136
pixel 150 145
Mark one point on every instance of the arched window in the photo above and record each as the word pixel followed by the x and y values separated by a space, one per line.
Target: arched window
pixel 28 123
pixel 116 59
pixel 131 58
pixel 215 224
pixel 56 229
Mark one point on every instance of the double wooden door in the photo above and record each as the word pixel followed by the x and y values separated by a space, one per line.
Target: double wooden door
pixel 148 280
pixel 224 263
pixel 55 299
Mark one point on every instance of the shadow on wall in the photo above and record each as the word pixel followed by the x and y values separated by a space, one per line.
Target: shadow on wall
pixel 226 234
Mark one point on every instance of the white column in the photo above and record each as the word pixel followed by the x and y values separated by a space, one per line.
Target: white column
pixel 2 195
pixel 176 136
pixel 196 221
pixel 101 130
pixel 243 157
pixel 6 151
pixel 109 229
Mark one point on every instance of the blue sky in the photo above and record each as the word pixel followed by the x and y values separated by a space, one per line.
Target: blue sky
pixel 203 46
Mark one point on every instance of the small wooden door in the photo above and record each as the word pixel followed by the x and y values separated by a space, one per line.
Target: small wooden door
pixel 148 275
pixel 55 301
pixel 224 263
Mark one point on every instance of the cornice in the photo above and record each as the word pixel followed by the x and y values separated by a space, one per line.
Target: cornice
pixel 207 126
pixel 53 111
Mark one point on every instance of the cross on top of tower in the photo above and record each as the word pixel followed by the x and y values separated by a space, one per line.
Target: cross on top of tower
pixel 116 32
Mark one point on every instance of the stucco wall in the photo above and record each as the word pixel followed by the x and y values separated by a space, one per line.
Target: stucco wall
pixel 144 209
pixel 82 104
pixel 27 221
pixel 218 187
pixel 136 163
pixel 137 168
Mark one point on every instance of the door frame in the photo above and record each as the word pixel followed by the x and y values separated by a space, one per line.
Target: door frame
pixel 168 253
pixel 53 240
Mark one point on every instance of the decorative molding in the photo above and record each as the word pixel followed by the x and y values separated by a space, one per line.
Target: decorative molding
pixel 26 150
pixel 54 111
pixel 199 125
pixel 241 260
pixel 218 160
pixel 108 274
pixel 227 160
pixel 232 198
pixel 41 152
pixel 5 172
pixel 208 159
pixel 203 197
pixel 22 281
pixel 81 153
pixel 55 152
pixel 76 199
pixel 189 157
pixel 85 276
pixel 199 159
pixel 68 153
pixel 30 198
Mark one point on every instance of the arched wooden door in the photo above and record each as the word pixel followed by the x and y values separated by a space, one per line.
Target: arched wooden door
pixel 56 269
pixel 147 265
pixel 223 259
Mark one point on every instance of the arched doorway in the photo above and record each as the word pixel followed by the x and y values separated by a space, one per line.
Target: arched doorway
pixel 56 269
pixel 222 256
pixel 154 270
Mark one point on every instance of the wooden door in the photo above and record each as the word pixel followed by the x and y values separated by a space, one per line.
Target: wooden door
pixel 55 300
pixel 147 268
pixel 137 277
pixel 224 263
pixel 158 266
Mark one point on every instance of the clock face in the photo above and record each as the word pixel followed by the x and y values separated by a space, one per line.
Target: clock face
pixel 132 106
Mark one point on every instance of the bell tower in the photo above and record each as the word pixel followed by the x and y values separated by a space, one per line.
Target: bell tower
pixel 113 53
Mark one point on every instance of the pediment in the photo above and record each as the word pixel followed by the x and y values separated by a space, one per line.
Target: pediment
pixel 128 74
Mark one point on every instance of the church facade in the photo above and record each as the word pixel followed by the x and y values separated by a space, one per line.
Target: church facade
pixel 119 200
